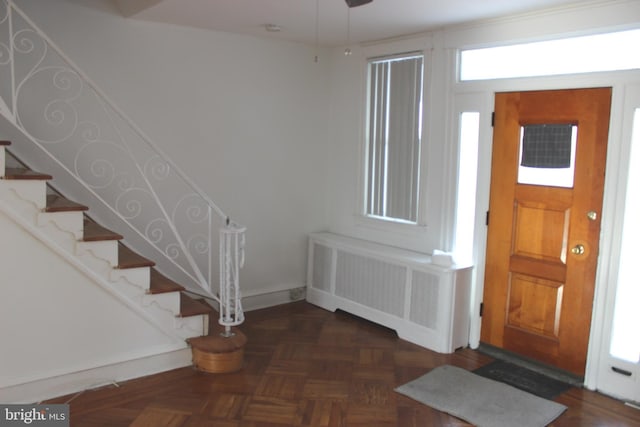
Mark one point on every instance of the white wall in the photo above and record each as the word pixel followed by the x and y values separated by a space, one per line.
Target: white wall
pixel 245 118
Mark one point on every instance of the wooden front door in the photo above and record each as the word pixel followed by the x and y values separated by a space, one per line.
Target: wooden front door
pixel 543 233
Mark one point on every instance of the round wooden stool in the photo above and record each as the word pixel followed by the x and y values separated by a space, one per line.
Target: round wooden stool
pixel 218 354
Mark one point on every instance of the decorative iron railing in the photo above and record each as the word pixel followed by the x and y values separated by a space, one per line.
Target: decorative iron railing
pixel 53 103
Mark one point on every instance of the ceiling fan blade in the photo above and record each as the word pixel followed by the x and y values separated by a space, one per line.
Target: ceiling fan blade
pixel 355 3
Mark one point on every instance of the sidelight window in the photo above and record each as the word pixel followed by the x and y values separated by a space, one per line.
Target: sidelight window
pixel 467 183
pixel 625 343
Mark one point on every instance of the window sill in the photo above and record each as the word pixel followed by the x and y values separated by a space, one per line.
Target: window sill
pixel 390 226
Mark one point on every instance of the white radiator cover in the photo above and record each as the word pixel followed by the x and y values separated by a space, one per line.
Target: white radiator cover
pixel 424 303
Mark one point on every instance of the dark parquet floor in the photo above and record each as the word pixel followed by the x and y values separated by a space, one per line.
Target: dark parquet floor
pixel 305 366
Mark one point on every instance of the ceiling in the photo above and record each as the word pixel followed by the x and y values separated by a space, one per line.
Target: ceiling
pixel 335 24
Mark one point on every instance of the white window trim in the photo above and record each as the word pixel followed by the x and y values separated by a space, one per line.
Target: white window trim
pixel 422 45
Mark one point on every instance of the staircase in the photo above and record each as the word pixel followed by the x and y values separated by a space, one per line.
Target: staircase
pixel 67 227
pixel 29 189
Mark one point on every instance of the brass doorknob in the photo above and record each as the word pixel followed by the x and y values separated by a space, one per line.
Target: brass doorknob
pixel 577 249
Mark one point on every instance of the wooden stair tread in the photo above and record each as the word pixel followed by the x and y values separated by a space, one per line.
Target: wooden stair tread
pixel 130 259
pixel 160 283
pixel 215 343
pixel 56 203
pixel 25 174
pixel 5 143
pixel 94 232
pixel 191 307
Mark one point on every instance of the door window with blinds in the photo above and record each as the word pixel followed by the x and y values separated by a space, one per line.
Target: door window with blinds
pixel 394 137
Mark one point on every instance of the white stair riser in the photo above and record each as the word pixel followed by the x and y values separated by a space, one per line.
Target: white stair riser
pixel 33 191
pixel 136 276
pixel 100 266
pixel 163 308
pixel 133 293
pixel 105 250
pixel 63 227
pixel 193 326
pixel 71 222
pixel 169 300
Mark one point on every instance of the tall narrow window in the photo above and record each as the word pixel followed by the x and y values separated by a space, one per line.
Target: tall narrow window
pixel 394 136
pixel 625 342
pixel 467 183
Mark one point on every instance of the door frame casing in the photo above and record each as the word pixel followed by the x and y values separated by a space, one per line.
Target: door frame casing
pixel 484 92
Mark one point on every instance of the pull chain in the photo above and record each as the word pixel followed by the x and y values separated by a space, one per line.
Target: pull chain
pixel 347 50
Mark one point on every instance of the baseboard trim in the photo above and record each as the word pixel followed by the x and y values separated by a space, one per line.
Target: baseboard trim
pixel 276 295
pixel 259 299
pixel 37 391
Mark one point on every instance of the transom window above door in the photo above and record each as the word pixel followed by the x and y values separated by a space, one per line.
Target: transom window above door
pixel 600 52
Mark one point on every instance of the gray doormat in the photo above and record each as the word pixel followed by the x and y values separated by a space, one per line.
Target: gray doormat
pixel 523 378
pixel 531 364
pixel 480 401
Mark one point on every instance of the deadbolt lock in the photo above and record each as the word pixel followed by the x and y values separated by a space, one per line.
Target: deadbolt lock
pixel 592 215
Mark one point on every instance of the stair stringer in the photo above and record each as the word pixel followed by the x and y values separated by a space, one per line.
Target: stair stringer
pixel 45 361
pixel 65 230
pixel 22 203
